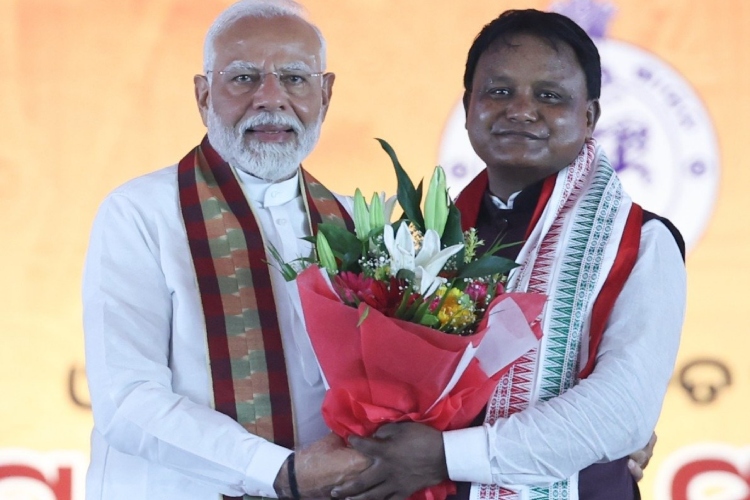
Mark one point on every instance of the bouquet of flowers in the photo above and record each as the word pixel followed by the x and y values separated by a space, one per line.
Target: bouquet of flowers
pixel 407 320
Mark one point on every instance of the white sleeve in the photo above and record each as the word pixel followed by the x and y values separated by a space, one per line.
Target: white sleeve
pixel 611 413
pixel 128 312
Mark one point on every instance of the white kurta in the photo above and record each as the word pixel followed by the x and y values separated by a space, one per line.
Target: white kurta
pixel 155 434
pixel 608 415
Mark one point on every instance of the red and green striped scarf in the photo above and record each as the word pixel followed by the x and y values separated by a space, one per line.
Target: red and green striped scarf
pixel 245 351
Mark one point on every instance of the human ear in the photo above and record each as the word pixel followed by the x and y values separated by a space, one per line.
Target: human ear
pixel 593 112
pixel 466 101
pixel 202 96
pixel 327 91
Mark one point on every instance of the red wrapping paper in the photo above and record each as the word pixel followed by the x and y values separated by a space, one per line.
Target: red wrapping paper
pixel 389 370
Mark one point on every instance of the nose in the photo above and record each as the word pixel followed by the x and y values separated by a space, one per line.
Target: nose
pixel 270 94
pixel 521 108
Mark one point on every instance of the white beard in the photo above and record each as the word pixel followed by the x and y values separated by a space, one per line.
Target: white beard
pixel 268 161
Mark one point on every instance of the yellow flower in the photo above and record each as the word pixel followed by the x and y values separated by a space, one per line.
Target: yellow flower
pixel 457 310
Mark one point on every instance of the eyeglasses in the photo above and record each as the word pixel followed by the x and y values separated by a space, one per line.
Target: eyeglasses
pixel 243 81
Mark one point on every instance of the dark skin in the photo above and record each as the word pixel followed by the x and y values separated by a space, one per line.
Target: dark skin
pixel 528 116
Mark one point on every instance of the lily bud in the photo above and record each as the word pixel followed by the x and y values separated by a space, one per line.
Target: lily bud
pixel 361 217
pixel 325 254
pixel 436 204
pixel 377 216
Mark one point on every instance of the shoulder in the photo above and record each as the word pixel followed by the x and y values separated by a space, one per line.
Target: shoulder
pixel 656 224
pixel 152 193
pixel 144 188
pixel 143 205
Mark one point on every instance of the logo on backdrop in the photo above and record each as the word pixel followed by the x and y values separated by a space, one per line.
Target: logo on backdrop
pixel 654 129
pixel 27 474
pixel 704 471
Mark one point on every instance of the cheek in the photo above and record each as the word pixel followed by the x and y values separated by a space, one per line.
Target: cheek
pixel 228 109
pixel 307 110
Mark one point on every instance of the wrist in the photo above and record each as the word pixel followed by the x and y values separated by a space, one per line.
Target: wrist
pixel 281 483
pixel 292 476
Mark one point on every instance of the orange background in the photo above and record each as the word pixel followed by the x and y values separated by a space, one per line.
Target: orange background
pixel 93 93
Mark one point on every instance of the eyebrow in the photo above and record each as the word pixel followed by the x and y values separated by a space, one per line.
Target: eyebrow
pixel 248 66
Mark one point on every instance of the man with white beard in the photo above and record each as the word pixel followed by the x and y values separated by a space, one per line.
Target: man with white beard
pixel 201 375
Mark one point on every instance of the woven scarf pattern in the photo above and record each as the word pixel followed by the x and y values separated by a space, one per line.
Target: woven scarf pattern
pixel 246 355
pixel 584 209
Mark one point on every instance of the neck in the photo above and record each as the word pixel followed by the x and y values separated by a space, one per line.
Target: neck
pixel 504 181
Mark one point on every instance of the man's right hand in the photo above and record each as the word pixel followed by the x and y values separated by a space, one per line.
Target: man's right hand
pixel 321 466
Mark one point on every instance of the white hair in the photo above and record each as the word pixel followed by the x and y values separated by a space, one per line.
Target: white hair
pixel 264 9
pixel 272 162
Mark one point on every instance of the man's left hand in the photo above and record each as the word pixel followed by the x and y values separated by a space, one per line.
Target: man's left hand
pixel 639 460
pixel 406 457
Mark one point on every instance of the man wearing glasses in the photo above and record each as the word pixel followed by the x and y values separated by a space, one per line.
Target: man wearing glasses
pixel 202 378
pixel 201 374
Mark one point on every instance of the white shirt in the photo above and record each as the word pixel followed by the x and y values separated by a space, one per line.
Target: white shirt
pixel 157 437
pixel 608 415
pixel 155 434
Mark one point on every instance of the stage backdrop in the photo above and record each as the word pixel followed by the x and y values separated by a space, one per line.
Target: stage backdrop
pixel 93 93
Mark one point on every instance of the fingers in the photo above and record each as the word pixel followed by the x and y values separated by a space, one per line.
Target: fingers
pixel 387 431
pixel 367 481
pixel 635 470
pixel 365 446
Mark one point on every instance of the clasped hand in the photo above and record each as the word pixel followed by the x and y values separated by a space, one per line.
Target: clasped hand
pixel 398 460
pixel 404 458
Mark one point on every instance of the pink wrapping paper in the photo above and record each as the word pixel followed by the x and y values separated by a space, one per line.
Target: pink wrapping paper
pixel 389 370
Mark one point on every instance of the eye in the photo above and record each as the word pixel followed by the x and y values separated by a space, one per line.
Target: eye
pixel 293 79
pixel 498 91
pixel 549 96
pixel 244 77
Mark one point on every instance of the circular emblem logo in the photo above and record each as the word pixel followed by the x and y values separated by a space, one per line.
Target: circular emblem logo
pixel 654 130
pixel 705 471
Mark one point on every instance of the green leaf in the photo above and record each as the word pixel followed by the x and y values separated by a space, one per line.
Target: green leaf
pixel 487 265
pixel 286 269
pixel 429 320
pixel 452 234
pixel 340 239
pixel 363 317
pixel 407 195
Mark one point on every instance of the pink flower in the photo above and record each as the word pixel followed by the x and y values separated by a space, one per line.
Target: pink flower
pixel 351 287
pixel 477 290
pixel 355 288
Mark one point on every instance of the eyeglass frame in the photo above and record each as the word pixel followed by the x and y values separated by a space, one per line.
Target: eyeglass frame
pixel 263 74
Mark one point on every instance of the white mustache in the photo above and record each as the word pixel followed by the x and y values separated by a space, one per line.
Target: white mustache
pixel 269 118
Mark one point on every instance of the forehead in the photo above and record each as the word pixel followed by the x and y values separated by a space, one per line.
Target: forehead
pixel 529 56
pixel 275 40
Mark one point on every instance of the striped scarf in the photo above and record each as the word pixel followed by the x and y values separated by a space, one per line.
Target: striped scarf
pixel 581 246
pixel 246 356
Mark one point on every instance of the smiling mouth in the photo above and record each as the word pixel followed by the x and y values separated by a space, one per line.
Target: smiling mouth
pixel 270 133
pixel 268 130
pixel 520 134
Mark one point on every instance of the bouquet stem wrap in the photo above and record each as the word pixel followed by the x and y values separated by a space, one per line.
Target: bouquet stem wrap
pixel 381 369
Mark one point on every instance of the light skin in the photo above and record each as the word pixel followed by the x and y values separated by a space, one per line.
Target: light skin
pixel 271 45
pixel 528 116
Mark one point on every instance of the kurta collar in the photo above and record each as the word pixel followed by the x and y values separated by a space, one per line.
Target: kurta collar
pixel 269 194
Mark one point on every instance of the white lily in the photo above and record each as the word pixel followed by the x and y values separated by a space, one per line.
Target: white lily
pixel 430 261
pixel 400 247
pixel 425 264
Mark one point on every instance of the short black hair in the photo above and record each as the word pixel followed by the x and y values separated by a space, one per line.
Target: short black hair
pixel 553 27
